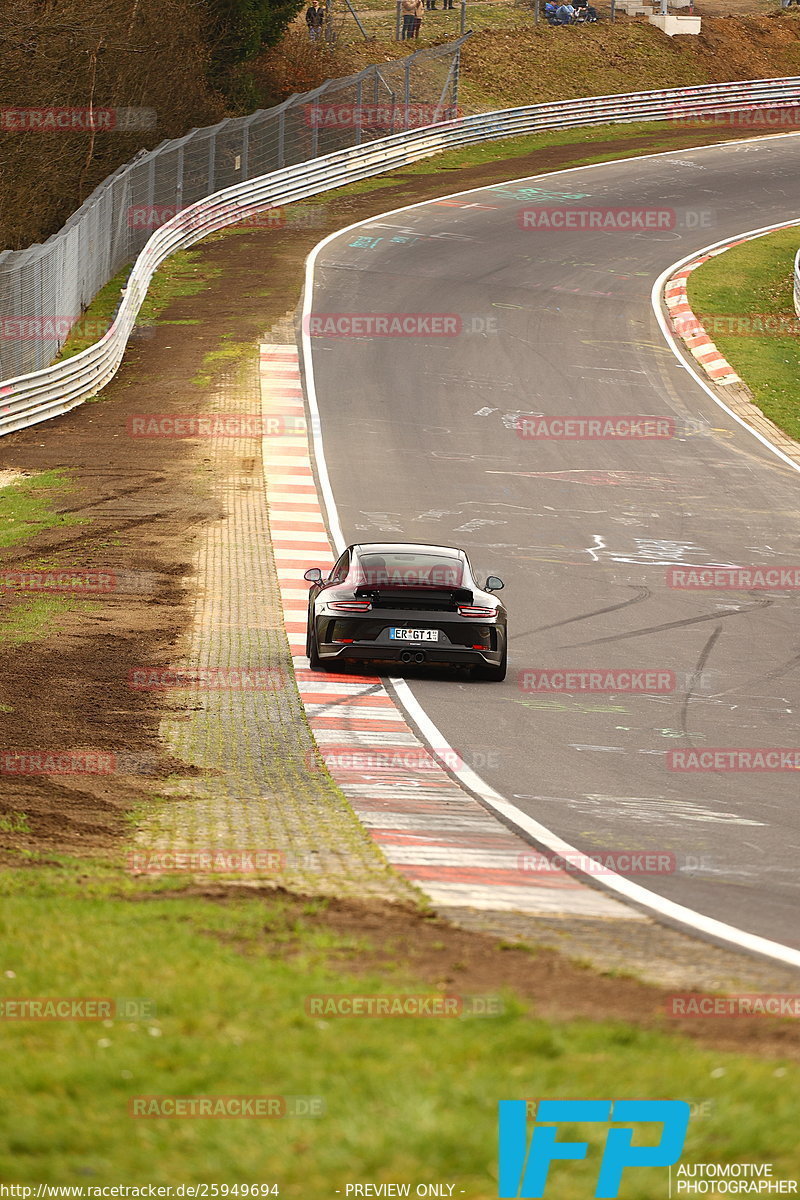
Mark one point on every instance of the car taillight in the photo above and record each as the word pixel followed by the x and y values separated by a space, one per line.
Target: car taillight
pixel 474 610
pixel 353 606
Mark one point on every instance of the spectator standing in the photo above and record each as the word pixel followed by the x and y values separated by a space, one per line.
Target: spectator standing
pixel 315 19
pixel 419 12
pixel 407 8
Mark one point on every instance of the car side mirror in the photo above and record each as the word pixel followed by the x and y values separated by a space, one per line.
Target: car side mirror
pixel 313 575
pixel 494 583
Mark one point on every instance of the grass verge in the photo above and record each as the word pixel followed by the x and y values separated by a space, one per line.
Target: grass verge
pixel 25 507
pixel 34 617
pixel 749 287
pixel 180 275
pixel 226 988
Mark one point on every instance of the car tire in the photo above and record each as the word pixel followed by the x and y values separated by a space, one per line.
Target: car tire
pixel 312 654
pixel 491 673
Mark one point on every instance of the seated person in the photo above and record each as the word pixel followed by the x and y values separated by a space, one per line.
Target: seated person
pixel 565 14
pixel 550 11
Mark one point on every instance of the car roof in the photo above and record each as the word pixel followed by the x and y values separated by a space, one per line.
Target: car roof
pixel 415 547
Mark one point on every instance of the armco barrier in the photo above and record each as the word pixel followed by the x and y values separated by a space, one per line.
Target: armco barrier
pixel 44 288
pixel 56 389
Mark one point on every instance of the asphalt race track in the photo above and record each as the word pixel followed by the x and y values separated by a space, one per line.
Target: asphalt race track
pixel 422 443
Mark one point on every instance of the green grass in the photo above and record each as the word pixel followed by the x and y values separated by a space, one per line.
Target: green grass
pixel 25 507
pixel 405 1100
pixel 749 281
pixel 34 617
pixel 14 822
pixel 229 354
pixel 184 274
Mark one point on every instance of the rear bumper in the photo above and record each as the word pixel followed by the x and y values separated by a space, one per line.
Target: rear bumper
pixel 409 653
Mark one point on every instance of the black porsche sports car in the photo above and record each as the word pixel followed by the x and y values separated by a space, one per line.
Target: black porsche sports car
pixel 409 603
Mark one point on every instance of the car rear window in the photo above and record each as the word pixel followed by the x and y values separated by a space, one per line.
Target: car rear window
pixel 407 570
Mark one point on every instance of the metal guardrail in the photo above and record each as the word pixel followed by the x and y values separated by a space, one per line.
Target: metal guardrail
pixel 44 288
pixel 54 390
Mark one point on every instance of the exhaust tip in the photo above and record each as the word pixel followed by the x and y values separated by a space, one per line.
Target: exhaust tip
pixel 419 658
pixel 406 656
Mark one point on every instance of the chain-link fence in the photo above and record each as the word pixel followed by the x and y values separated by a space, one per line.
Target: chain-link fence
pixel 45 288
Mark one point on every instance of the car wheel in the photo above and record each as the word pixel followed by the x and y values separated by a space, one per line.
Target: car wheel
pixel 492 673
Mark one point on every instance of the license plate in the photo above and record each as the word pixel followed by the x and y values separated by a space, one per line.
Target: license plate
pixel 414 635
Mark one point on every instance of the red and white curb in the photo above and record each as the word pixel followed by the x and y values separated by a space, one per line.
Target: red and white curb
pixel 686 325
pixel 429 828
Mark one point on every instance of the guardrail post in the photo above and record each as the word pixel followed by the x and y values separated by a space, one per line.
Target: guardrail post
pixel 212 161
pixel 406 95
pixel 314 137
pixel 244 164
pixel 151 187
pixel 179 179
pixel 18 312
pixel 360 111
pixel 281 155
pixel 397 20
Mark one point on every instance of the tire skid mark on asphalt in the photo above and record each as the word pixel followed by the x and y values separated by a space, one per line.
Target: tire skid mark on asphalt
pixel 431 830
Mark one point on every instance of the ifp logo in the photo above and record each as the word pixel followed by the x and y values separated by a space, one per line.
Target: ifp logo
pixel 524 1168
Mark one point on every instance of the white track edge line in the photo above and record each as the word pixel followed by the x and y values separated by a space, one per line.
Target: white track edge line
pixel 636 894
